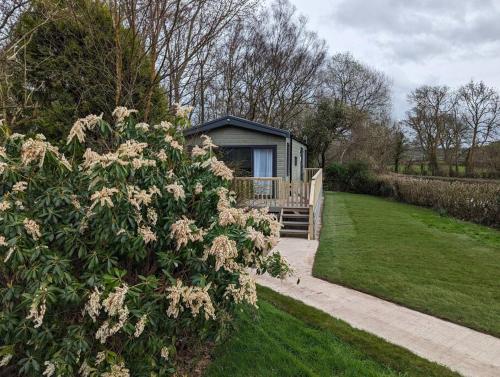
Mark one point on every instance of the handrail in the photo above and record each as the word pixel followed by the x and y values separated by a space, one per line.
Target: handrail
pixel 258 178
pixel 315 198
pixel 309 173
pixel 271 192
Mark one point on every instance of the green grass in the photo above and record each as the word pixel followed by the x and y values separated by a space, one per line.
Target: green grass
pixel 412 256
pixel 286 338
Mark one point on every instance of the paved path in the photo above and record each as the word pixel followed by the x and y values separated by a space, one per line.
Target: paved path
pixel 464 350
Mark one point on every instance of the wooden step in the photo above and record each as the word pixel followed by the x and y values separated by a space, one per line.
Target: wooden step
pixel 295 223
pixel 296 209
pixel 295 216
pixel 294 233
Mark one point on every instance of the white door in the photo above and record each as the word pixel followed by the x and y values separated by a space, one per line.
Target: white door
pixel 263 167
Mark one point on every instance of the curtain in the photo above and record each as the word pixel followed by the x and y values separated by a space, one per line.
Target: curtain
pixel 263 167
pixel 263 162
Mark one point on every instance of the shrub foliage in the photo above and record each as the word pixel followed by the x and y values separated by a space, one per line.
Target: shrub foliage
pixel 122 253
pixel 467 200
pixel 477 202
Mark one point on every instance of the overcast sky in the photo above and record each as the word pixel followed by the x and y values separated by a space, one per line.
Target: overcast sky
pixel 415 42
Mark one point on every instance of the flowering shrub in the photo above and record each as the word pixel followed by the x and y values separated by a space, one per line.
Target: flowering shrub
pixel 121 253
pixel 477 202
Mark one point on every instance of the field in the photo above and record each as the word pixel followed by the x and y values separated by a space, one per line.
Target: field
pixel 412 256
pixel 286 338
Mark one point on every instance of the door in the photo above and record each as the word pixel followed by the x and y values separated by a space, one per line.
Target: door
pixel 263 167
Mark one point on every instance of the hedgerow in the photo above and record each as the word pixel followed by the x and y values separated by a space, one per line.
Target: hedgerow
pixel 477 202
pixel 469 200
pixel 123 252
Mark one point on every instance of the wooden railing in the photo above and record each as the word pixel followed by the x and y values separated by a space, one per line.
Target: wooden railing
pixel 258 192
pixel 315 203
pixel 278 193
pixel 271 192
pixel 309 173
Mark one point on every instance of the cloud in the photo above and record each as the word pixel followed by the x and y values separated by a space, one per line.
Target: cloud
pixel 414 42
pixel 420 29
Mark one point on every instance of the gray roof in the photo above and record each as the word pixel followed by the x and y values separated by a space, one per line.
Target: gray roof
pixel 230 120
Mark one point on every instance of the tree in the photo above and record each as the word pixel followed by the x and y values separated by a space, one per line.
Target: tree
pixel 71 64
pixel 452 139
pixel 357 85
pixel 431 106
pixel 267 66
pixel 480 113
pixel 326 123
pixel 400 145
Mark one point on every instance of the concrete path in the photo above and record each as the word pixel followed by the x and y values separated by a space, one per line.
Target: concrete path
pixel 461 349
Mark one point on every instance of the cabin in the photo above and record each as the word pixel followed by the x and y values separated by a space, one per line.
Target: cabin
pixel 270 168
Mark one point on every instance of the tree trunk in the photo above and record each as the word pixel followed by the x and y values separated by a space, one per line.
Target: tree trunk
pixel 396 165
pixel 469 161
pixel 118 57
pixel 152 79
pixel 433 163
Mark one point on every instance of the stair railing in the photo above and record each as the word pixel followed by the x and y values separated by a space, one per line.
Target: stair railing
pixel 315 203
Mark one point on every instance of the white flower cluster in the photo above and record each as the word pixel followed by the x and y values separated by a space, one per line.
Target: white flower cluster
pixel 182 111
pixel 103 197
pixel 50 369
pixel 185 230
pixel 163 126
pixel 6 360
pixel 117 370
pixel 224 250
pixel 219 168
pixel 193 298
pixel 38 308
pixel 173 143
pixel 93 306
pixel 245 292
pixel 121 113
pixel 176 190
pixel 81 126
pixel 147 234
pixel 138 197
pixel 32 228
pixel 139 327
pixel 36 149
pixel 114 307
pixel 20 186
pixel 207 143
pixel 198 152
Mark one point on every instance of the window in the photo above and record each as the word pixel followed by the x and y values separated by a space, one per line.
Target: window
pixel 295 160
pixel 239 159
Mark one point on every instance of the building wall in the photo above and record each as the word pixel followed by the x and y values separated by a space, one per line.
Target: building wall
pixel 296 146
pixel 235 136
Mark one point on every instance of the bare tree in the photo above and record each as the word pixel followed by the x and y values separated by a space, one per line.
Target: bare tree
pixel 9 12
pixel 480 112
pixel 431 106
pixel 357 85
pixel 268 67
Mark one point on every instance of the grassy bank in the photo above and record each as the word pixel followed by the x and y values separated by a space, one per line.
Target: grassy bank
pixel 412 256
pixel 286 338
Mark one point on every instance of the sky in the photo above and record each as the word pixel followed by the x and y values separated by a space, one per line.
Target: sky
pixel 414 42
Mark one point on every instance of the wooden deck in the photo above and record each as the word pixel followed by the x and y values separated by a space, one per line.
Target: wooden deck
pixel 277 193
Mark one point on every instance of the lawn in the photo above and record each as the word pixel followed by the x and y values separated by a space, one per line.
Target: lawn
pixel 412 256
pixel 287 338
